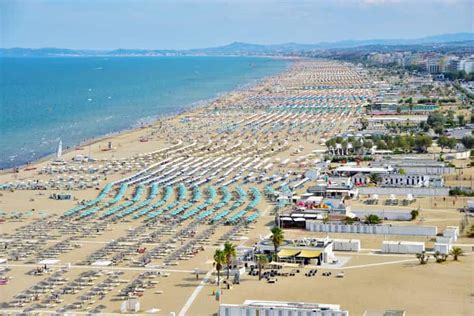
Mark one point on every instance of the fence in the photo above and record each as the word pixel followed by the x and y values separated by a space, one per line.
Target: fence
pixel 383 229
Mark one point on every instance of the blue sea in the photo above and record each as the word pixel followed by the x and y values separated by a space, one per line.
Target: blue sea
pixel 79 98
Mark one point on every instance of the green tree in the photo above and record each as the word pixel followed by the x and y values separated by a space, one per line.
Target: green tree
pixel 452 142
pixel 439 257
pixel 436 119
pixel 439 130
pixel 368 144
pixel 375 178
pixel 364 123
pixel 219 262
pixel 414 214
pixel 470 234
pixel 277 238
pixel 443 142
pixel 349 220
pixel 373 219
pixel 468 142
pixel 450 118
pixel 262 261
pixel 230 253
pixel 456 252
pixel 461 121
pixel 423 257
pixel 424 126
pixel 422 142
pixel 325 218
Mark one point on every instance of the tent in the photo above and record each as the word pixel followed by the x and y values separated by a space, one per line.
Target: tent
pixel 285 253
pixel 309 254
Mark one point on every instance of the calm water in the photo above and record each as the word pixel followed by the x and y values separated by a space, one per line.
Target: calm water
pixel 44 99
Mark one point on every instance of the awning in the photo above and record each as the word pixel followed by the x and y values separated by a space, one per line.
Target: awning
pixel 284 253
pixel 309 254
pixel 48 261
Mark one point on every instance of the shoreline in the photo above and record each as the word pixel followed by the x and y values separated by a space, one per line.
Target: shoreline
pixel 150 121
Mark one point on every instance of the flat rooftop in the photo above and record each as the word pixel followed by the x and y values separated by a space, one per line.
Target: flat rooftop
pixel 289 305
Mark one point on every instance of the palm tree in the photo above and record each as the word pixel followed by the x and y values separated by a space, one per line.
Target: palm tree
pixel 262 261
pixel 219 261
pixel 230 253
pixel 456 252
pixel 375 178
pixel 277 238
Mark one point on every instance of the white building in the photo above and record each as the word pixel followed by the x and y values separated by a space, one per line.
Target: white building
pixel 402 247
pixel 350 170
pixel 402 180
pixel 467 64
pixel 433 66
pixel 279 308
pixel 306 250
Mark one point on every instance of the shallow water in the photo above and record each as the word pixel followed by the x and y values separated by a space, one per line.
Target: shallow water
pixel 79 98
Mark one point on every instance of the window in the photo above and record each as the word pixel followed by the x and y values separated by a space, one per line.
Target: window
pixel 280 313
pixel 226 311
pixel 247 312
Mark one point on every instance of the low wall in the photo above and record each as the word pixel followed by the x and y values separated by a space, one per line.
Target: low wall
pixel 402 247
pixel 382 229
pixel 346 245
pixel 416 192
pixel 389 215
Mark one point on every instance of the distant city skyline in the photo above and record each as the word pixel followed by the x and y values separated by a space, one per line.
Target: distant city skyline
pixel 184 24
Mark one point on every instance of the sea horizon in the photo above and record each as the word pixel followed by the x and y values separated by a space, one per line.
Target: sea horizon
pixel 79 99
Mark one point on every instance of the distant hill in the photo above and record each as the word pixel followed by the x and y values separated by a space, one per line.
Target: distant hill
pixel 239 48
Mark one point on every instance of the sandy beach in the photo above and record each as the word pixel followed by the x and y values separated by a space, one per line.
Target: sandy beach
pixel 183 185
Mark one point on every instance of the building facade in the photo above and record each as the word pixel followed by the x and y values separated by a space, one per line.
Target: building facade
pixel 279 308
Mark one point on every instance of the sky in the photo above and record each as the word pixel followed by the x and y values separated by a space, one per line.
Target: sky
pixel 183 24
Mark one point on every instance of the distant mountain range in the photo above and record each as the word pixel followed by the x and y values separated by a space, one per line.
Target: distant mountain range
pixel 239 48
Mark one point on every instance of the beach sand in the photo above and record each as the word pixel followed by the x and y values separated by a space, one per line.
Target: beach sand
pixel 224 129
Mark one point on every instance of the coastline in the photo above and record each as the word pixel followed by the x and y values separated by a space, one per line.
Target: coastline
pixel 150 121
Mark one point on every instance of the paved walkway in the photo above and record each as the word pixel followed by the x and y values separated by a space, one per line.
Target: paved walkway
pixel 195 293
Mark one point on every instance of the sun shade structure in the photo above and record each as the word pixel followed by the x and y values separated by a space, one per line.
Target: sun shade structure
pixel 285 253
pixel 309 254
